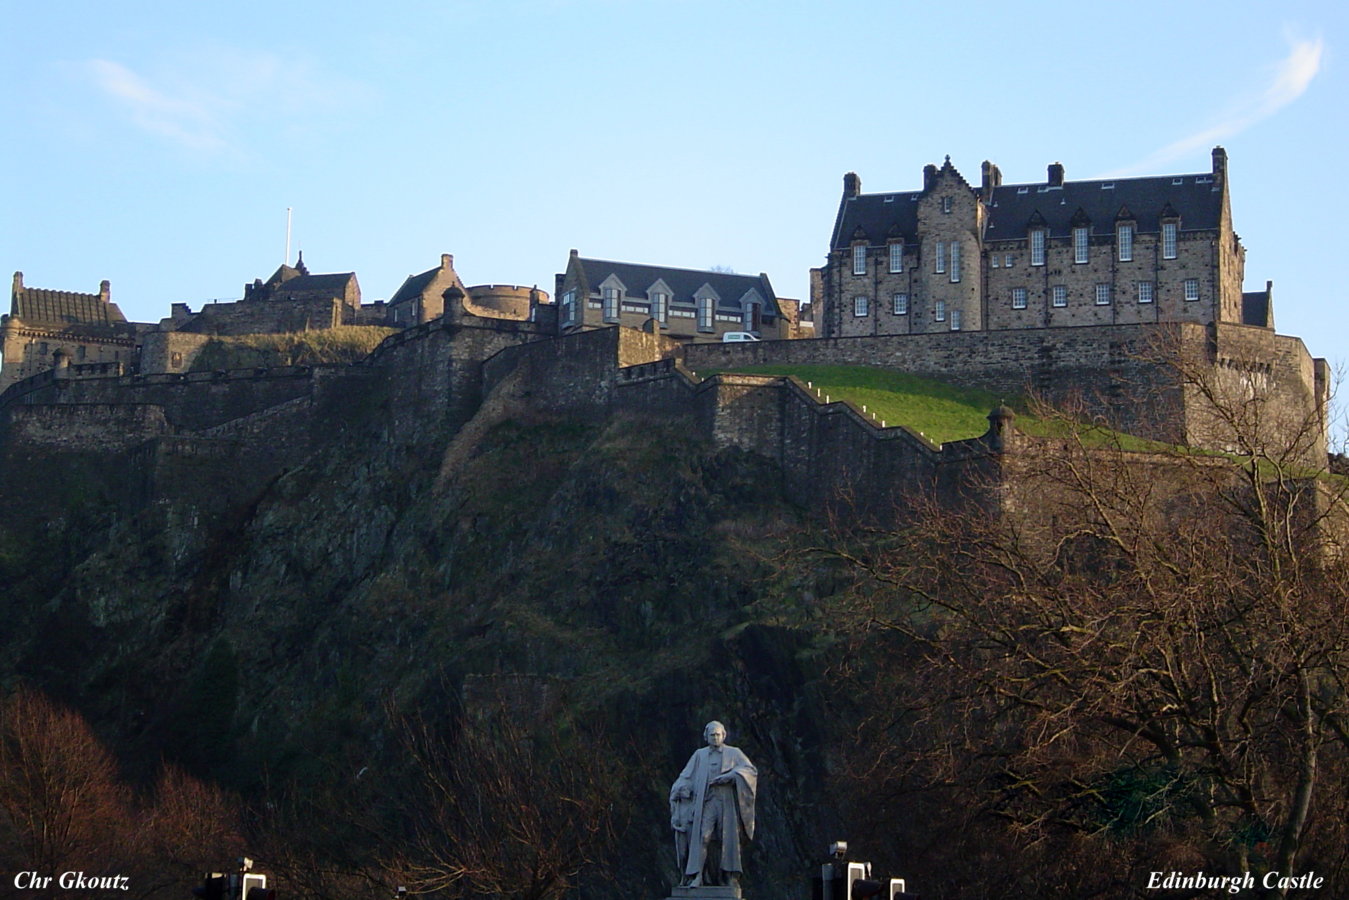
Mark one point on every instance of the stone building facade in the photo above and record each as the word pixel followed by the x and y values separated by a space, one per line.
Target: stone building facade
pixel 958 257
pixel 44 325
pixel 436 292
pixel 685 304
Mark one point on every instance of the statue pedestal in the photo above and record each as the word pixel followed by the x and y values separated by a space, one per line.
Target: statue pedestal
pixel 709 892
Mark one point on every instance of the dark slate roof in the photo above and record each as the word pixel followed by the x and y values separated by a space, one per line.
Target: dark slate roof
pixel 1194 198
pixel 414 285
pixel 1255 308
pixel 47 307
pixel 683 283
pixel 1011 207
pixel 335 284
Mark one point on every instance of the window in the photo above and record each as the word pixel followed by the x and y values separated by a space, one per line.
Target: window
pixel 1191 288
pixel 861 305
pixel 859 259
pixel 610 304
pixel 1145 292
pixel 993 259
pixel 941 257
pixel 939 310
pixel 1018 298
pixel 901 304
pixel 1007 261
pixel 79 353
pixel 1124 239
pixel 1102 295
pixel 1080 237
pixel 896 257
pixel 660 306
pixel 946 204
pixel 1169 230
pixel 1058 295
pixel 955 261
pixel 1037 247
pixel 704 313
pixel 955 320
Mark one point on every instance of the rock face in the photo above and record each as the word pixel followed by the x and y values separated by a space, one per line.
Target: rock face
pixel 608 574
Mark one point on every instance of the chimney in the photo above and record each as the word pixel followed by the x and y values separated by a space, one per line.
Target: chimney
pixel 1056 174
pixel 104 290
pixel 446 261
pixel 929 176
pixel 992 178
pixel 1219 168
pixel 852 185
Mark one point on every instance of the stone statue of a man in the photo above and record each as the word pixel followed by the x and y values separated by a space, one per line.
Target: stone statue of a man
pixel 712 811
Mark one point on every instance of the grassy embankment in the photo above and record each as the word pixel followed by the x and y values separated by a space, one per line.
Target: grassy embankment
pixel 940 411
pixel 330 346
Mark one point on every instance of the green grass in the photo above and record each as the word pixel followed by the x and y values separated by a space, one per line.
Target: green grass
pixel 329 346
pixel 941 411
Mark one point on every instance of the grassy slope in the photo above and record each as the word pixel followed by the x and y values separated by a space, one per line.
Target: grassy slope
pixel 347 344
pixel 941 411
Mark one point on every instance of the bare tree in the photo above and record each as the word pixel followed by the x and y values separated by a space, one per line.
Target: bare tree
pixel 506 811
pixel 1123 661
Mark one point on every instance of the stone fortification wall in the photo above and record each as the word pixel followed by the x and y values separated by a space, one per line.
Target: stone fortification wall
pixel 833 455
pixel 97 427
pixel 191 402
pixel 273 316
pixel 1117 373
pixel 575 372
pixel 171 351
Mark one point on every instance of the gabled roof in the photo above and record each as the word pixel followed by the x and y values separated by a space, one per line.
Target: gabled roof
pixel 313 284
pixel 413 287
pixel 40 306
pixel 1011 207
pixel 683 283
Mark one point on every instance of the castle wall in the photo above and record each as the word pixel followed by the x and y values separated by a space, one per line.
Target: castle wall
pixel 1090 367
pixel 191 402
pixel 171 351
pixel 271 316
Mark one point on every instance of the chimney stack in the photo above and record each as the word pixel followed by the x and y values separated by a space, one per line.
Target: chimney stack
pixel 1056 174
pixel 992 178
pixel 852 185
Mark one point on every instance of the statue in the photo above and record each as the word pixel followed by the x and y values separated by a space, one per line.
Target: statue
pixel 712 811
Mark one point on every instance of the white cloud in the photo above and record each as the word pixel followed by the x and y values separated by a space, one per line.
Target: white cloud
pixel 210 101
pixel 1288 80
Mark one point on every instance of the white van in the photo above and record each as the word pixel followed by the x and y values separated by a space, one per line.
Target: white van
pixel 733 336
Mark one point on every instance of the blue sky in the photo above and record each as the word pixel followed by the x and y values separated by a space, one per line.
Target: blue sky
pixel 159 145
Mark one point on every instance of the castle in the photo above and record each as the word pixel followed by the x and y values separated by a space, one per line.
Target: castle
pixel 952 257
pixel 1085 293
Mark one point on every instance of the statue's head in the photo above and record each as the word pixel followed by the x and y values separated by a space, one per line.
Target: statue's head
pixel 714 734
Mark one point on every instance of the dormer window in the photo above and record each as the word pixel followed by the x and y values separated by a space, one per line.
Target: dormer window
pixel 1124 241
pixel 660 306
pixel 1081 243
pixel 704 313
pixel 1037 247
pixel 859 259
pixel 610 301
pixel 896 257
pixel 1169 230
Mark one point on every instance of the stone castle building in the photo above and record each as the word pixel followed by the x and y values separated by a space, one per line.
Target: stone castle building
pixel 81 328
pixel 957 257
pixel 685 304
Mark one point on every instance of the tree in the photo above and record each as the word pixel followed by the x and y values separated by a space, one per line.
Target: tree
pixel 1122 662
pixel 505 811
pixel 60 798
